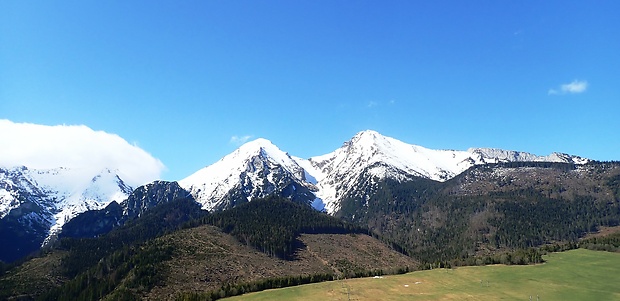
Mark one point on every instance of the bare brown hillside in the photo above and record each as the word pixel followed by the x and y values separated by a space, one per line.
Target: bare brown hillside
pixel 205 259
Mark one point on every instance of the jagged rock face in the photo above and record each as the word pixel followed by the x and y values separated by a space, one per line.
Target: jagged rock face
pixel 151 195
pixel 96 222
pixel 493 155
pixel 26 214
pixel 34 204
pixel 23 229
pixel 93 223
pixel 17 189
pixel 257 169
pixel 354 168
pixel 44 200
pixel 369 157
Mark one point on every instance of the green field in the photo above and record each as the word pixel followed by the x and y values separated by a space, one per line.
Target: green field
pixel 573 275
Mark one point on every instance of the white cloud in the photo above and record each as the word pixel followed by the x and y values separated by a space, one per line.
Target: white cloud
pixel 574 87
pixel 372 104
pixel 237 140
pixel 75 146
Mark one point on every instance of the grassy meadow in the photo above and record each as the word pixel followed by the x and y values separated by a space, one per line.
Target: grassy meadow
pixel 573 275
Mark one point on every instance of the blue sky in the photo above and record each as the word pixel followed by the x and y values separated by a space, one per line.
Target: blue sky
pixel 188 81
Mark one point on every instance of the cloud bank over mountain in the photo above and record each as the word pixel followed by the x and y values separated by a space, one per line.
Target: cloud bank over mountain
pixel 75 146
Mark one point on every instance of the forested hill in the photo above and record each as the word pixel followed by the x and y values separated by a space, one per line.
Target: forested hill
pixel 160 255
pixel 273 224
pixel 66 269
pixel 473 218
pixel 492 208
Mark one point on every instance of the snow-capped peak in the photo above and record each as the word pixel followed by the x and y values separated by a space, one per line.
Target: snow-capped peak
pixel 266 149
pixel 59 193
pixel 258 168
pixel 369 148
pixel 255 169
pixel 370 154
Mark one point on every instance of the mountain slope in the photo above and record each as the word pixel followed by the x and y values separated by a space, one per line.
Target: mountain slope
pixel 257 169
pixel 494 155
pixel 93 223
pixel 273 224
pixel 138 260
pixel 368 157
pixel 491 208
pixel 35 204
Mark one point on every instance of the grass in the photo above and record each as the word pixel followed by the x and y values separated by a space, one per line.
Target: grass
pixel 573 275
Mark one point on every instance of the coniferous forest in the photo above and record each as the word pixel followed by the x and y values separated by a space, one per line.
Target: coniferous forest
pixel 505 213
pixel 439 222
pixel 272 225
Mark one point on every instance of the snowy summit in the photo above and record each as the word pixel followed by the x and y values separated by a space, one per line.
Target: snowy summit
pixel 256 169
pixel 259 168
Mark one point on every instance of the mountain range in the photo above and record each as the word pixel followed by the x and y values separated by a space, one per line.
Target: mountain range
pixel 35 205
pixel 260 218
pixel 260 168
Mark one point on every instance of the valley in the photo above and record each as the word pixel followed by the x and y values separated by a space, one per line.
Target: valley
pixel 571 275
pixel 260 218
pixel 309 150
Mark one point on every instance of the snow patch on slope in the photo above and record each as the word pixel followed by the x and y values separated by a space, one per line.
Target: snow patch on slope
pixel 62 193
pixel 375 155
pixel 370 154
pixel 494 155
pixel 245 169
pixel 360 162
pixel 84 195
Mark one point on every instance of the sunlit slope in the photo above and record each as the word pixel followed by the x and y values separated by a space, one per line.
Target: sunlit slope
pixel 573 275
